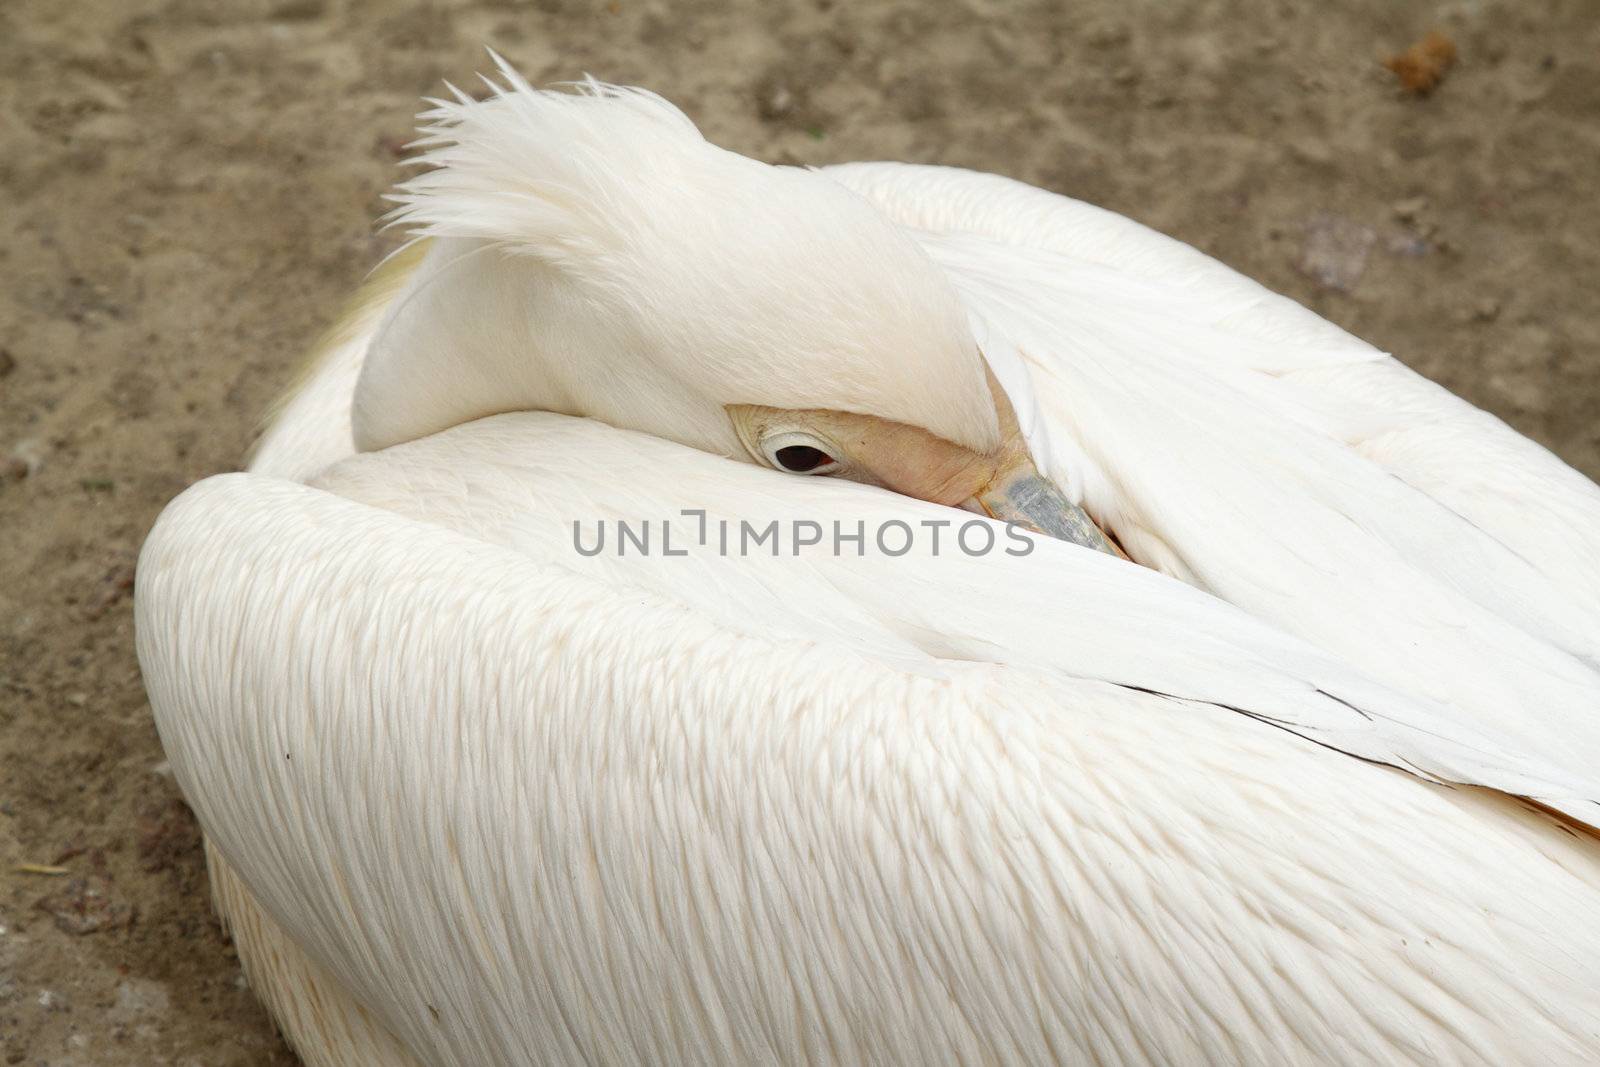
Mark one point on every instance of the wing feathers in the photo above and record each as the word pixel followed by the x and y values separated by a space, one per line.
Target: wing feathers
pixel 527 815
pixel 1241 443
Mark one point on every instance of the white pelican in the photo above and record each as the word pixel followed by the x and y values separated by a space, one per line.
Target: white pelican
pixel 1315 783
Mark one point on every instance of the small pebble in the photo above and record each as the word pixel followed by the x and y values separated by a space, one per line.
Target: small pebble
pixel 775 100
pixel 1335 251
pixel 24 461
pixel 1410 208
pixel 1421 67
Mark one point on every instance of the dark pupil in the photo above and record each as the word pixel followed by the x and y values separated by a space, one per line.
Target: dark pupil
pixel 802 458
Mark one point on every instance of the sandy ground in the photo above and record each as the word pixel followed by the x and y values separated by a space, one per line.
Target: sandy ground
pixel 187 190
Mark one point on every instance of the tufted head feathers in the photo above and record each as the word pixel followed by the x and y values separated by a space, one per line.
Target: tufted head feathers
pixel 592 254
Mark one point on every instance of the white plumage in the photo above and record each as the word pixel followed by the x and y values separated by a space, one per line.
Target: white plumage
pixel 474 797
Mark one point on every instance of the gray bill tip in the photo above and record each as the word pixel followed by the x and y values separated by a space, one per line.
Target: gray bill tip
pixel 1030 500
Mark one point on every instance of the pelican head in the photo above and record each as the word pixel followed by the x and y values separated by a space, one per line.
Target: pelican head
pixel 592 254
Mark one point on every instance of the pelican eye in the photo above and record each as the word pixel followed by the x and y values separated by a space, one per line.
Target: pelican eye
pixel 801 459
pixel 798 453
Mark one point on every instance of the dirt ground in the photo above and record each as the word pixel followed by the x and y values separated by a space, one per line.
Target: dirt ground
pixel 187 191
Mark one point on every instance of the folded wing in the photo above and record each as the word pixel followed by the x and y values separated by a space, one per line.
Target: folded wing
pixel 527 812
pixel 1237 440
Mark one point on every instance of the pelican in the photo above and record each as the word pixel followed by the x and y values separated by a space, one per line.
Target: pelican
pixel 1254 721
